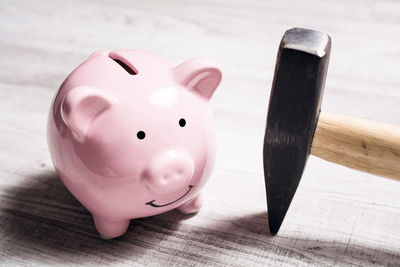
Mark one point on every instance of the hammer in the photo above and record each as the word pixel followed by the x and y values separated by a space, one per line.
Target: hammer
pixel 295 128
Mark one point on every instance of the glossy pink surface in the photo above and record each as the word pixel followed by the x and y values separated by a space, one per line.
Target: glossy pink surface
pixel 134 141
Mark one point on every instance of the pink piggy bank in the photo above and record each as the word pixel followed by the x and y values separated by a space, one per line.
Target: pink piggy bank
pixel 131 135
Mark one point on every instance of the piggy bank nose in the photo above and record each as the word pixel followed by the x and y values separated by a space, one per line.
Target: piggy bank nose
pixel 169 172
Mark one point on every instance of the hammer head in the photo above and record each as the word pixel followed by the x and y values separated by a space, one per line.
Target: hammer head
pixel 294 108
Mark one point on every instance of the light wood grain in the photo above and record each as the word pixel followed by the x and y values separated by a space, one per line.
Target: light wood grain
pixel 338 217
pixel 363 145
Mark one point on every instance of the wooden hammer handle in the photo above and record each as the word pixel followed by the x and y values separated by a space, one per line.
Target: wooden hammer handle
pixel 359 144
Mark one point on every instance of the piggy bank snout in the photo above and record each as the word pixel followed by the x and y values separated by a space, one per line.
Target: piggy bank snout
pixel 169 172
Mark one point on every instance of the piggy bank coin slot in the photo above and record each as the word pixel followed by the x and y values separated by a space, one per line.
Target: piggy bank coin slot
pixel 123 63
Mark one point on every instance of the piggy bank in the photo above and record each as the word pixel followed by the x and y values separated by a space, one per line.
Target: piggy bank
pixel 131 135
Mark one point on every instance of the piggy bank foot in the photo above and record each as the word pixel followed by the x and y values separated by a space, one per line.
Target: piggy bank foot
pixel 110 228
pixel 192 206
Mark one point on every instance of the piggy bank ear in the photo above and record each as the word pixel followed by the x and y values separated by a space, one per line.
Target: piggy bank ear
pixel 200 74
pixel 81 106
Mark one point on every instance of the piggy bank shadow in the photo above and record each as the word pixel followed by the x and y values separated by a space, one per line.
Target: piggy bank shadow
pixel 43 216
pixel 40 217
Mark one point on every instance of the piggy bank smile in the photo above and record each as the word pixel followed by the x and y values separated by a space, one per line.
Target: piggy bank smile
pixel 151 203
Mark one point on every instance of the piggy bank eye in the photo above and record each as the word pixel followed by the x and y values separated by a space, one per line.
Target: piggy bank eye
pixel 182 122
pixel 141 135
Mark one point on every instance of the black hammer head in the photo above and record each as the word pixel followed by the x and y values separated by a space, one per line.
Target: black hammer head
pixel 294 107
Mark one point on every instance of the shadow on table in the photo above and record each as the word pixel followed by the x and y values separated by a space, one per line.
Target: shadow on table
pixel 41 217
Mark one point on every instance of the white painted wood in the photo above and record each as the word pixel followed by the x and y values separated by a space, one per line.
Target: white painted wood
pixel 338 216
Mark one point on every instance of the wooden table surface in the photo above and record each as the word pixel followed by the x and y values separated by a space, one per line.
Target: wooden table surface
pixel 338 216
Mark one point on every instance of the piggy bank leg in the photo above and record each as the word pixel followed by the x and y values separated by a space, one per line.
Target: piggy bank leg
pixel 110 228
pixel 192 206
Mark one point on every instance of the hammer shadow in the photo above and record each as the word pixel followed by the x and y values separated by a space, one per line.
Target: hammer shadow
pixel 41 216
pixel 251 234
